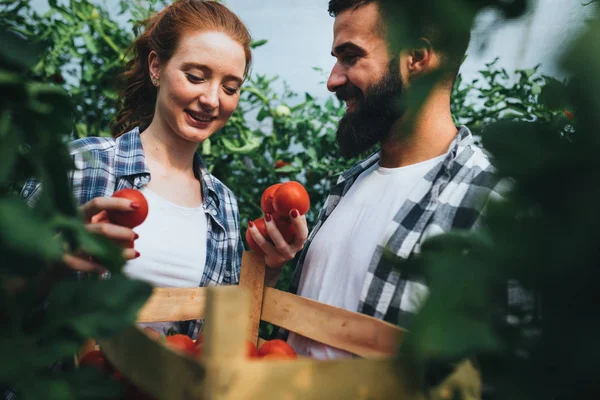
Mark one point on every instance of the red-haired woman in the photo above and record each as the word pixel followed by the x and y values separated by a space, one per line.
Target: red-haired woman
pixel 182 85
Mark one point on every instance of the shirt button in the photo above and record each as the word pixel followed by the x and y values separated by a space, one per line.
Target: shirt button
pixel 26 193
pixel 214 212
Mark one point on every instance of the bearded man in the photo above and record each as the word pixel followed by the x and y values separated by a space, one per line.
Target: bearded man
pixel 426 177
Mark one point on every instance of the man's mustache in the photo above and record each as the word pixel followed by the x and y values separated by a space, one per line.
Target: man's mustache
pixel 347 92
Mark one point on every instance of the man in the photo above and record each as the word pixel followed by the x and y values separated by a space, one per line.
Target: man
pixel 427 178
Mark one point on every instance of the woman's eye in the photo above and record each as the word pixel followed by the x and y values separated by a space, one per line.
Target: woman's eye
pixel 194 78
pixel 231 90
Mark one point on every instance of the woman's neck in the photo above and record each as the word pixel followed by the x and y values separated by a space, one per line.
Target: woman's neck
pixel 165 148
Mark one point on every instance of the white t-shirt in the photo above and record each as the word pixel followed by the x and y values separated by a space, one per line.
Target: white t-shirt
pixel 338 258
pixel 172 247
pixel 171 243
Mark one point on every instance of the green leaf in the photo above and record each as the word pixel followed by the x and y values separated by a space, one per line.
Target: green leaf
pixel 8 149
pixel 97 309
pixel 90 43
pixel 18 51
pixel 25 232
pixel 206 147
pixel 257 43
pixel 262 114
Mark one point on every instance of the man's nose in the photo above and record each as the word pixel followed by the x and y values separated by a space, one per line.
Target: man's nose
pixel 337 78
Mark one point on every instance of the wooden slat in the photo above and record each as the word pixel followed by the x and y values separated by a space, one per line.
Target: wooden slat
pixel 154 368
pixel 174 304
pixel 253 278
pixel 307 379
pixel 225 333
pixel 353 332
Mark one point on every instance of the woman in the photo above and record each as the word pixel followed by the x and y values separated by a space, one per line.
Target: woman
pixel 182 86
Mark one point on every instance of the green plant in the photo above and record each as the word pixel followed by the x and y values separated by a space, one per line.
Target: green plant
pixel 43 321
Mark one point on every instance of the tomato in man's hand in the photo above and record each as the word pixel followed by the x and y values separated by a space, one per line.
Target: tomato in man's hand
pixel 132 218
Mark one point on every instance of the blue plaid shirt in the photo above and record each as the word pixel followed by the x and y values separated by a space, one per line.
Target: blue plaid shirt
pixel 105 165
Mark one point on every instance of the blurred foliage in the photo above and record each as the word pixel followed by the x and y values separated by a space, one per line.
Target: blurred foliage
pixel 517 295
pixel 41 323
pixel 540 130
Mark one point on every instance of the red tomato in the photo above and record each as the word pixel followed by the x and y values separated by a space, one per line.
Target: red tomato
pixel 568 114
pixel 251 350
pixel 266 200
pixel 94 358
pixel 281 163
pixel 260 224
pixel 291 195
pixel 277 348
pixel 182 343
pixel 132 218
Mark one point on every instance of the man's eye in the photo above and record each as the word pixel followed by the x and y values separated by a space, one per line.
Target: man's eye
pixel 194 78
pixel 350 59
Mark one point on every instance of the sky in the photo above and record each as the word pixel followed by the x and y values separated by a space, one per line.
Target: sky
pixel 300 33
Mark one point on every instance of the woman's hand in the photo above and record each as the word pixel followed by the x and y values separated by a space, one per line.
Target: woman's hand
pixel 277 250
pixel 95 215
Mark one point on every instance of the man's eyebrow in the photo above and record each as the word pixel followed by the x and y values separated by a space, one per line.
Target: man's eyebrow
pixel 347 46
pixel 194 65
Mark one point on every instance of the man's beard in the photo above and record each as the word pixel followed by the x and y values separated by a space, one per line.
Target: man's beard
pixel 375 113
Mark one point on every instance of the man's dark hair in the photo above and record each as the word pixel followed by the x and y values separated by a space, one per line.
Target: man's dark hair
pixel 450 45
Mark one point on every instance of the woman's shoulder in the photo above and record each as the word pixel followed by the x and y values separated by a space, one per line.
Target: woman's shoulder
pixel 92 144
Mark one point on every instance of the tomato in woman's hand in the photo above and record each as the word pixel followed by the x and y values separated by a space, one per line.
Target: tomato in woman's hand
pixel 277 348
pixel 266 200
pixel 182 343
pixel 132 218
pixel 291 195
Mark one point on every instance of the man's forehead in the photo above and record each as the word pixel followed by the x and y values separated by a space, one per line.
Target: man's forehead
pixel 359 26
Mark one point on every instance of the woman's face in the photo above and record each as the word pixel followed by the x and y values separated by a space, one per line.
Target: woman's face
pixel 199 87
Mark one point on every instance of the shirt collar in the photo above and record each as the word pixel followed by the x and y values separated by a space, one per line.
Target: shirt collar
pixel 461 141
pixel 129 155
pixel 131 161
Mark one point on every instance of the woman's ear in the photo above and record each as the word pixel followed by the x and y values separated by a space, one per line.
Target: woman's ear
pixel 154 67
pixel 421 59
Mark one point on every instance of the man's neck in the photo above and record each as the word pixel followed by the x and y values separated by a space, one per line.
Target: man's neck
pixel 165 148
pixel 426 135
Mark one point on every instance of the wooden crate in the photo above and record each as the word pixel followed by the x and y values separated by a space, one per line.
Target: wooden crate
pixel 232 315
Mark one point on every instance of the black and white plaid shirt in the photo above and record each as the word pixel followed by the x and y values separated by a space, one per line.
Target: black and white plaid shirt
pixel 452 195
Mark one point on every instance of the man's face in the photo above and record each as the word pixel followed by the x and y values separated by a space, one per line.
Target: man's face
pixel 366 78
